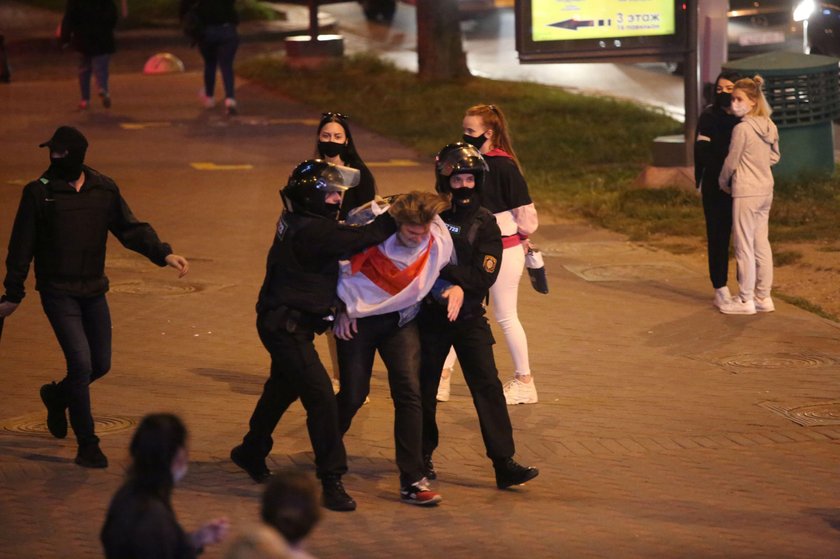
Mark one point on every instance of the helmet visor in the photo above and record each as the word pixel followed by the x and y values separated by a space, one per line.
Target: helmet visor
pixel 338 178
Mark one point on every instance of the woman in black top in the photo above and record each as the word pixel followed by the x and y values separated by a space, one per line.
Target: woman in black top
pixel 141 523
pixel 711 145
pixel 217 42
pixel 335 145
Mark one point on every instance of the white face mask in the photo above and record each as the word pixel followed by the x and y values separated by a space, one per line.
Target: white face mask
pixel 739 109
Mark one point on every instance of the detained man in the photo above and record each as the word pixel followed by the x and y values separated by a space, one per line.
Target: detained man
pixel 382 289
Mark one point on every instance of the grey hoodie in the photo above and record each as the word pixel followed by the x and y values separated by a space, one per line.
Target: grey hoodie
pixel 753 149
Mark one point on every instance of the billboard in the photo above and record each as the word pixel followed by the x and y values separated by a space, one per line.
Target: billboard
pixel 562 30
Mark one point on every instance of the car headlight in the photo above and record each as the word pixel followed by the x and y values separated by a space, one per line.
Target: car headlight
pixel 804 10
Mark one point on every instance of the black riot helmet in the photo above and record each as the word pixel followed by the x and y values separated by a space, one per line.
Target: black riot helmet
pixel 455 159
pixel 309 184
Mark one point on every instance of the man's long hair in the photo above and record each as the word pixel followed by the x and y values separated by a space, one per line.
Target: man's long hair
pixel 418 208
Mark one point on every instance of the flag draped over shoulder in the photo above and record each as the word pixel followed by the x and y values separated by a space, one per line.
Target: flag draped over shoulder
pixel 390 277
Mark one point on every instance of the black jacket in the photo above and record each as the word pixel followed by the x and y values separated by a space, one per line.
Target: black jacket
pixel 212 12
pixel 302 268
pixel 716 125
pixel 478 246
pixel 89 25
pixel 66 233
pixel 140 525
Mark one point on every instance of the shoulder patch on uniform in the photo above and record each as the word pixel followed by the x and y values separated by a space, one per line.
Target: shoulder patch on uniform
pixel 454 229
pixel 489 263
pixel 44 180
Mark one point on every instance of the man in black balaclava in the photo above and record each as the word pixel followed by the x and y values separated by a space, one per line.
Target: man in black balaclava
pixel 453 315
pixel 62 223
pixel 714 130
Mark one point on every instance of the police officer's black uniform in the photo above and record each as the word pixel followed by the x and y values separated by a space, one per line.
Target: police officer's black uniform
pixel 478 247
pixel 296 303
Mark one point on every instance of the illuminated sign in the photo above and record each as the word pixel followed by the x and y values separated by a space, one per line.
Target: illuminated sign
pixel 563 20
pixel 560 30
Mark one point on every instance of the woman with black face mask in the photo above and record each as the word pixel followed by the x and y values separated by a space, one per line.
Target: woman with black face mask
pixel 335 145
pixel 711 145
pixel 506 195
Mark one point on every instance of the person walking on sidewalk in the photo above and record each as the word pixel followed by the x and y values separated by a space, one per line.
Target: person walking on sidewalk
pixel 381 289
pixel 711 144
pixel 88 26
pixel 218 41
pixel 747 176
pixel 295 303
pixel 454 315
pixel 505 194
pixel 141 522
pixel 62 223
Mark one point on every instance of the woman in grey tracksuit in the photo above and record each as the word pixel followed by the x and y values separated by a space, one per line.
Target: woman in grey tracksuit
pixel 754 148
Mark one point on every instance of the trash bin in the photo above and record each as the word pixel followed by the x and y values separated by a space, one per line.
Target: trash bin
pixel 804 92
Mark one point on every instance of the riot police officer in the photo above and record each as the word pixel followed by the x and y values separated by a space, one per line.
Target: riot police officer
pixel 453 316
pixel 296 302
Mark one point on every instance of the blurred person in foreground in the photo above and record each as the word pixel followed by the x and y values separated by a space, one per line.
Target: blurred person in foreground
pixel 141 522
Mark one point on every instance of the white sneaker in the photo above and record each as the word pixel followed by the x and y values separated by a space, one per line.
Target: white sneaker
pixel 764 305
pixel 444 386
pixel 518 392
pixel 738 306
pixel 230 107
pixel 722 295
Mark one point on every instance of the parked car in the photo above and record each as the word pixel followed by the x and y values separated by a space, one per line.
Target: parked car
pixel 757 26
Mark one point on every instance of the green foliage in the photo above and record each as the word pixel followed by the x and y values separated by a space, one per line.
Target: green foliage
pixel 580 154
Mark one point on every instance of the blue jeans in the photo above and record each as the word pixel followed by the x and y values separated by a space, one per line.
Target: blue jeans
pixel 218 48
pixel 96 66
pixel 400 351
pixel 82 326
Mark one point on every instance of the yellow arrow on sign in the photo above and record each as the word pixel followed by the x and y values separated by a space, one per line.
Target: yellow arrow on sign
pixel 142 125
pixel 394 163
pixel 304 121
pixel 204 166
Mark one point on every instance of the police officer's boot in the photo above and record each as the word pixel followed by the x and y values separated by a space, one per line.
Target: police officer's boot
pixel 334 496
pixel 510 473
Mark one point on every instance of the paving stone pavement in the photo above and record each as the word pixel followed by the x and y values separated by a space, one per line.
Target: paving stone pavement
pixel 664 428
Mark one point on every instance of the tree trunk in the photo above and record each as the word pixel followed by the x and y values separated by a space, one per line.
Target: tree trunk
pixel 440 53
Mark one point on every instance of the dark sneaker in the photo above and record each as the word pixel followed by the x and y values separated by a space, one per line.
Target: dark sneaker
pixel 429 467
pixel 56 410
pixel 509 473
pixel 334 496
pixel 106 99
pixel 253 466
pixel 419 493
pixel 91 456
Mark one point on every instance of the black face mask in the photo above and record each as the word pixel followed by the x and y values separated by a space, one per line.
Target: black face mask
pixel 67 168
pixel 723 100
pixel 332 149
pixel 463 196
pixel 475 141
pixel 332 210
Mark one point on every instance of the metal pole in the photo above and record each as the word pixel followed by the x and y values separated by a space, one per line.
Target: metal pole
pixel 691 83
pixel 313 19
